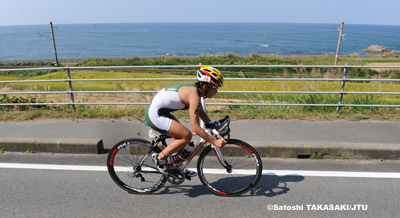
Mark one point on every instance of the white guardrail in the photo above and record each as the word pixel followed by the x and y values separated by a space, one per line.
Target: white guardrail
pixel 341 92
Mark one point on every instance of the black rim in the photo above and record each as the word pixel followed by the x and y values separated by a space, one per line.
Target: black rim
pixel 123 168
pixel 246 166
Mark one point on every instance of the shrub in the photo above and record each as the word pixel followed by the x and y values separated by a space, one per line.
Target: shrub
pixel 15 100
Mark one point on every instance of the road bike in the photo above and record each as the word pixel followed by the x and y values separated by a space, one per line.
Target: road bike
pixel 230 171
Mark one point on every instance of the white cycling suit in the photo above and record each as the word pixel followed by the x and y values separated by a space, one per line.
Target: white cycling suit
pixel 166 101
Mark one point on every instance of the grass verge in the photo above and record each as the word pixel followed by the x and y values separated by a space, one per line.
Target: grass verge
pixel 235 111
pixel 131 112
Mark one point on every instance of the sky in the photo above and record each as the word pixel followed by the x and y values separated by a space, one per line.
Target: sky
pixel 33 12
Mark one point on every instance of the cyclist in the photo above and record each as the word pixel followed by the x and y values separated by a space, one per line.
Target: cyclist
pixel 183 96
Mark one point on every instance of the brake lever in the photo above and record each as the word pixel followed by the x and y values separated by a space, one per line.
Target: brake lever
pixel 223 120
pixel 216 133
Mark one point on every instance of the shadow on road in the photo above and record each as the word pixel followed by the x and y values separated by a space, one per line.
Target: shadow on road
pixel 273 185
pixel 268 186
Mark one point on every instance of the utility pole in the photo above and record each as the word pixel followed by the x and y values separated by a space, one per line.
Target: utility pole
pixel 338 45
pixel 54 42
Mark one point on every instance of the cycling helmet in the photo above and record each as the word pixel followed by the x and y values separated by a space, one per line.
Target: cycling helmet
pixel 210 75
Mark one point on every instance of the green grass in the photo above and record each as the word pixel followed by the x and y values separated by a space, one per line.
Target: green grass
pixel 230 59
pixel 235 111
pixel 24 74
pixel 28 151
pixel 318 155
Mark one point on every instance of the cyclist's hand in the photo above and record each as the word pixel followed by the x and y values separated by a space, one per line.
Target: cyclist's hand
pixel 220 143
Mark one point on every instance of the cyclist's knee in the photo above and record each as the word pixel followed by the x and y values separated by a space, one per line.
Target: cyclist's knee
pixel 187 136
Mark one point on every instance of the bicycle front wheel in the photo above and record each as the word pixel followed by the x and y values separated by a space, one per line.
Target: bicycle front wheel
pixel 243 171
pixel 133 171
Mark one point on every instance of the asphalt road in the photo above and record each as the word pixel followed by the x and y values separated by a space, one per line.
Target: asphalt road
pixel 86 193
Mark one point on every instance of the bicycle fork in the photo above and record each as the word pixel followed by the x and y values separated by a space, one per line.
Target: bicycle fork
pixel 222 159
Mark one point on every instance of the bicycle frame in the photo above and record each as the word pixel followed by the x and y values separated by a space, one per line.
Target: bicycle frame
pixel 202 143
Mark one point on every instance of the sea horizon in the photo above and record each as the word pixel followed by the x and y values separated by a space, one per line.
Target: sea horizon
pixel 160 22
pixel 154 39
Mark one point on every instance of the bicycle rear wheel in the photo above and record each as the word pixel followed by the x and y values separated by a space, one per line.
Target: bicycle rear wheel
pixel 244 175
pixel 123 164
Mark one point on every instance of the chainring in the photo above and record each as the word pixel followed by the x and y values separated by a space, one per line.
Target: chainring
pixel 176 176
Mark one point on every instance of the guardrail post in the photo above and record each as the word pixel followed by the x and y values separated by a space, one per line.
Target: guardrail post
pixel 342 88
pixel 70 89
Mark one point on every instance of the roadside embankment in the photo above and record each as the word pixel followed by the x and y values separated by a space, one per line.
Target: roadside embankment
pixel 52 145
pixel 271 138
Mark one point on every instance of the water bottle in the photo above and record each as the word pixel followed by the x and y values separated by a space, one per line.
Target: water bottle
pixel 186 151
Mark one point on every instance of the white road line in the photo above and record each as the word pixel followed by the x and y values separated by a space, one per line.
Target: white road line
pixel 212 171
pixel 52 167
pixel 332 174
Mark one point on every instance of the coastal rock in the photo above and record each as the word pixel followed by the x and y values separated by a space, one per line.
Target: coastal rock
pixel 379 49
pixel 375 49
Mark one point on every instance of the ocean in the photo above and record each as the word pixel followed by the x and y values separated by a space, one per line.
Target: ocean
pixel 190 39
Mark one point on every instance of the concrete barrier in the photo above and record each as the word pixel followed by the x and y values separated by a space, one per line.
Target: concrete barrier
pixel 328 150
pixel 53 145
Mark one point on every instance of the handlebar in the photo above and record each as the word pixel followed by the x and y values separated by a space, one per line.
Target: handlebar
pixel 220 127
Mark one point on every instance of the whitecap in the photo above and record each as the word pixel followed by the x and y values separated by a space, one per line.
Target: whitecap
pixel 265 45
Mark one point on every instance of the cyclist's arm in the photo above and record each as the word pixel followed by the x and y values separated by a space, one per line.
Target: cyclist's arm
pixel 203 115
pixel 195 111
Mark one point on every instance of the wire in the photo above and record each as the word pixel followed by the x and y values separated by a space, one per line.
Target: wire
pixel 41 35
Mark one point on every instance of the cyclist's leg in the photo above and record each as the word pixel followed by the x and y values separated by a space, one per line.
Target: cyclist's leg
pixel 182 137
pixel 188 172
pixel 169 125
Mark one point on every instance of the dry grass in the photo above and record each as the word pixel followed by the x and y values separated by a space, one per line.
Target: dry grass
pixel 249 112
pixel 8 78
pixel 157 85
pixel 384 64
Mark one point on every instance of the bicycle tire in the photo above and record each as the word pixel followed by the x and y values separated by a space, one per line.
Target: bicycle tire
pixel 123 158
pixel 246 169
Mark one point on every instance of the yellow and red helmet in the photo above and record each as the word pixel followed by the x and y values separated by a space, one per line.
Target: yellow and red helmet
pixel 210 75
